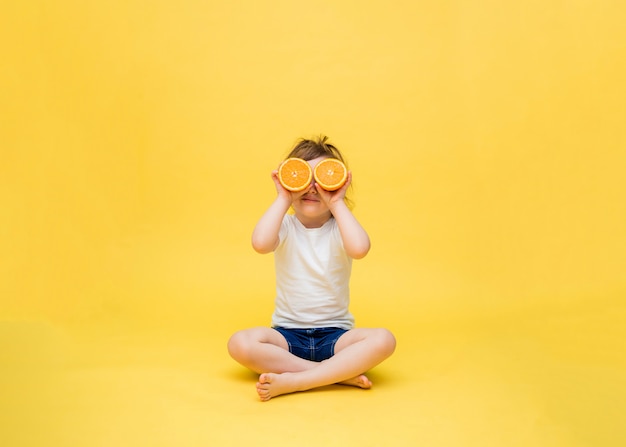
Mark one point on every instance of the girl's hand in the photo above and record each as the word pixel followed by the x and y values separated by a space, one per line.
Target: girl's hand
pixel 285 194
pixel 331 198
pixel 280 190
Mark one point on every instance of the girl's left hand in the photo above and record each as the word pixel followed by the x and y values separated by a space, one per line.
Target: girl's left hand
pixel 332 197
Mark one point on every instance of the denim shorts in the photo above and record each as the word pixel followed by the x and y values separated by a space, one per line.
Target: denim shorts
pixel 314 344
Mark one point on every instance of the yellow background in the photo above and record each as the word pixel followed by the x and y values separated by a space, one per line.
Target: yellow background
pixel 488 145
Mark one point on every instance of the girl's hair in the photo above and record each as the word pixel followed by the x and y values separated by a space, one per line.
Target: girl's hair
pixel 311 149
pixel 319 147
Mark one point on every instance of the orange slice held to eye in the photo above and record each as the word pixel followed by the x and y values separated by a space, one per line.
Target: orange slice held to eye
pixel 331 174
pixel 295 174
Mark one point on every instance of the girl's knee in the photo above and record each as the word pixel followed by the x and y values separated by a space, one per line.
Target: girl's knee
pixel 242 344
pixel 387 340
pixel 238 344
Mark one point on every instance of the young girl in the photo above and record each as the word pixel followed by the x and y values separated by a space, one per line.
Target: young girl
pixel 312 342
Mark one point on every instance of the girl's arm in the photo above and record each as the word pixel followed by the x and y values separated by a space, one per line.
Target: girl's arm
pixel 356 241
pixel 265 235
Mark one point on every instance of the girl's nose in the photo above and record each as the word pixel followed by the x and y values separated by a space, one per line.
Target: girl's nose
pixel 312 188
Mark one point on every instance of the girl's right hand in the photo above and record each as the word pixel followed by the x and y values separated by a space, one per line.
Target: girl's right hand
pixel 285 194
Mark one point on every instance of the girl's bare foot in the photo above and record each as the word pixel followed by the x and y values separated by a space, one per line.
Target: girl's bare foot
pixel 359 381
pixel 272 385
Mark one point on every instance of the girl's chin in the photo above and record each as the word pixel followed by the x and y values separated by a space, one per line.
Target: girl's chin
pixel 311 210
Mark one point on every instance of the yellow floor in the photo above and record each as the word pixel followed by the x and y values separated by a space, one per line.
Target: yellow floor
pixel 540 381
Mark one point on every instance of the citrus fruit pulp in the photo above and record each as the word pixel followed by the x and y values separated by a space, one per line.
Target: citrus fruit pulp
pixel 295 174
pixel 330 174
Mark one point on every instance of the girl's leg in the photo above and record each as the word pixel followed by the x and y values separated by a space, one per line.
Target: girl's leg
pixel 356 351
pixel 264 349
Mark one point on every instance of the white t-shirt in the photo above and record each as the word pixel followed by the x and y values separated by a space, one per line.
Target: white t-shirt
pixel 312 277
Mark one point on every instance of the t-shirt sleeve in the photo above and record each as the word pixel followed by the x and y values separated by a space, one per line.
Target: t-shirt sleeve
pixel 284 229
pixel 336 234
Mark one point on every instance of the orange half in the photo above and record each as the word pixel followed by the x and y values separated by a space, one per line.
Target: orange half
pixel 331 174
pixel 295 174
